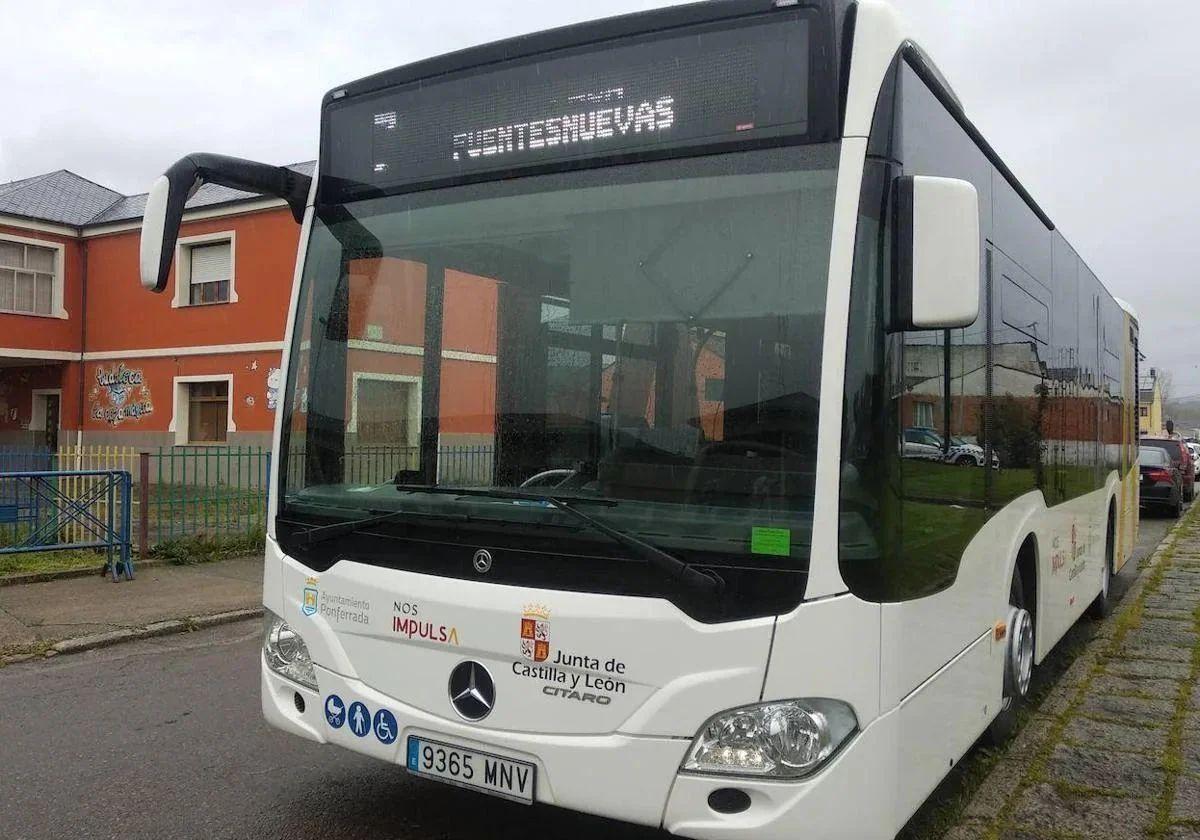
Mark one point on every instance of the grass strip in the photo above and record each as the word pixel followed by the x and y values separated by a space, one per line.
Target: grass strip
pixel 186 551
pixel 1173 755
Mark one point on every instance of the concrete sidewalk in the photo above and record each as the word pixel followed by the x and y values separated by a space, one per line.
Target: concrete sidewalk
pixel 77 613
pixel 1114 750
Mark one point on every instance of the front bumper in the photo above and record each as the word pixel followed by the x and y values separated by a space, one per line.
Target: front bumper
pixel 625 777
pixel 613 775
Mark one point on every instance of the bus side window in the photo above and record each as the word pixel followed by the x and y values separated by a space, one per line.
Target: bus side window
pixel 939 384
pixel 940 394
pixel 1021 389
pixel 915 472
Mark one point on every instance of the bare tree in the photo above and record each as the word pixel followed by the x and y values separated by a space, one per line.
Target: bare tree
pixel 1165 382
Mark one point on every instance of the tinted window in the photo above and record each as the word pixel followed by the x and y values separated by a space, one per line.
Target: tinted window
pixel 873 437
pixel 1173 449
pixel 1151 456
pixel 909 504
pixel 1023 308
pixel 1036 382
pixel 570 323
pixel 942 499
pixel 1019 372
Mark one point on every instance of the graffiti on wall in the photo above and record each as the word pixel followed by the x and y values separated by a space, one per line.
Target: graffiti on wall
pixel 120 394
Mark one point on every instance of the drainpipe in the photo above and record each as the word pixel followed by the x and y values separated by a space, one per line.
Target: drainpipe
pixel 83 288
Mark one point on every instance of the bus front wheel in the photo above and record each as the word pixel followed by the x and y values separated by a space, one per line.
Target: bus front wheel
pixel 1018 663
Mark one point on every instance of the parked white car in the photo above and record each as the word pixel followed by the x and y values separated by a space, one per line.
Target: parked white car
pixel 926 444
pixel 1195 448
pixel 923 444
pixel 965 453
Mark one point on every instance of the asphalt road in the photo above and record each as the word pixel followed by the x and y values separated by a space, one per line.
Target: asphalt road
pixel 165 739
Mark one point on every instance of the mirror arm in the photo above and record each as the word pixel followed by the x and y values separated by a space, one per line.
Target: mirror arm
pixel 168 198
pixel 246 175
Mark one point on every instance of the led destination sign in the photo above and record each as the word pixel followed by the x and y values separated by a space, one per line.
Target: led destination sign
pixel 616 120
pixel 690 87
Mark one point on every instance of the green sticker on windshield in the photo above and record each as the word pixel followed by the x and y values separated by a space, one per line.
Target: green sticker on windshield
pixel 774 541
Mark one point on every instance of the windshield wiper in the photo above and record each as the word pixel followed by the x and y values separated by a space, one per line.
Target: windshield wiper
pixel 668 564
pixel 321 533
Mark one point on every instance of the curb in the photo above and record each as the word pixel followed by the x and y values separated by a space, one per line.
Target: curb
pixel 132 634
pixel 990 799
pixel 67 574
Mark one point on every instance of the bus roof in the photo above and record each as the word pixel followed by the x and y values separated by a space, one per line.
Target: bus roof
pixel 635 23
pixel 1129 310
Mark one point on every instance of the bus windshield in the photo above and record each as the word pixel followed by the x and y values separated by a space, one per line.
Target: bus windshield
pixel 642 340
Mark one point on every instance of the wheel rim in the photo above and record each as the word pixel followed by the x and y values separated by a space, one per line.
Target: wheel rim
pixel 1020 654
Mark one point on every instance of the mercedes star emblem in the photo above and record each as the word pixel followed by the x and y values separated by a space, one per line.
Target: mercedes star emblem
pixel 482 561
pixel 472 691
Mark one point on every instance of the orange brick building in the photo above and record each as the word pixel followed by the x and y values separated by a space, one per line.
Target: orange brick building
pixel 88 357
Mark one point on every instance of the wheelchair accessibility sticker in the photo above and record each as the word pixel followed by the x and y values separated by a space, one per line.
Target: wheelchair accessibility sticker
pixel 385 727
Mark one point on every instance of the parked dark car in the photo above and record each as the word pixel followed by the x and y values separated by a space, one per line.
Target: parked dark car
pixel 1181 457
pixel 1162 481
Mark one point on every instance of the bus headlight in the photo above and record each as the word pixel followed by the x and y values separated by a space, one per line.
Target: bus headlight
pixel 286 653
pixel 783 739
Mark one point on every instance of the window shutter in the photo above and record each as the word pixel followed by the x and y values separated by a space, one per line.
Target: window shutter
pixel 210 263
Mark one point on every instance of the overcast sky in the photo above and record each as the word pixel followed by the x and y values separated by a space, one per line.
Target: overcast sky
pixel 1094 104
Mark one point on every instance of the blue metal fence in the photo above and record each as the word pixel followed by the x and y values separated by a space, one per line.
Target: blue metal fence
pixel 42 515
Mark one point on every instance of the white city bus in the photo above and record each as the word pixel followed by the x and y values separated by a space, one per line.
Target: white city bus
pixel 689 419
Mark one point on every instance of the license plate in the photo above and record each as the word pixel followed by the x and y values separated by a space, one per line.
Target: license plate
pixel 472 769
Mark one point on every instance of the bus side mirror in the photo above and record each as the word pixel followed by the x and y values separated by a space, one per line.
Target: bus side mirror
pixel 937 259
pixel 165 203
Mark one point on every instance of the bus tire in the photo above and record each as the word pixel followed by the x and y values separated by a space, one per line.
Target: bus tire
pixel 1016 685
pixel 1102 606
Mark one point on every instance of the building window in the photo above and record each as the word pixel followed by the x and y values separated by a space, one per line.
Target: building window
pixel 208 412
pixel 211 268
pixel 714 389
pixel 923 415
pixel 1144 411
pixel 28 277
pixel 205 269
pixel 387 409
